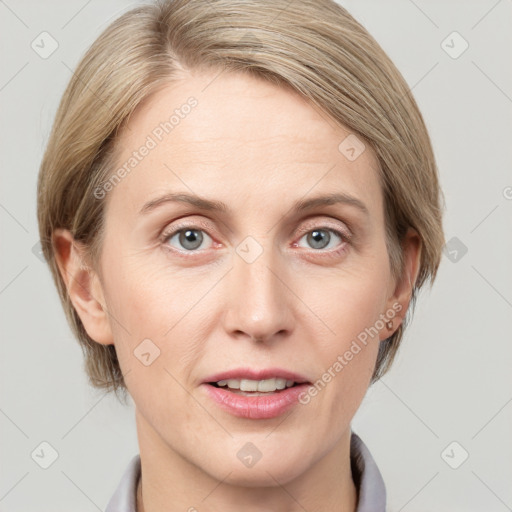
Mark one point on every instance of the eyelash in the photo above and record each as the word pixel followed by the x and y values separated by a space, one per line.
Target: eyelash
pixel 344 236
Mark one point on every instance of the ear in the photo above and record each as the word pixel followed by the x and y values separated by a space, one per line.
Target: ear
pixel 83 286
pixel 401 297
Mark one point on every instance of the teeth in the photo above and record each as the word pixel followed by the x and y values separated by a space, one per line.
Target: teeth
pixel 263 386
pixel 233 384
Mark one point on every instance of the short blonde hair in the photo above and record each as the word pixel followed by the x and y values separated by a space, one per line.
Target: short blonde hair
pixel 315 47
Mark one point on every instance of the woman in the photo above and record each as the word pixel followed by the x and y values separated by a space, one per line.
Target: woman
pixel 239 203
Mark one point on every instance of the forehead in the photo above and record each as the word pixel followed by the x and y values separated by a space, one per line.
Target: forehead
pixel 211 133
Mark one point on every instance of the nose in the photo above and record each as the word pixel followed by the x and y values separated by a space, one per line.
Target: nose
pixel 259 304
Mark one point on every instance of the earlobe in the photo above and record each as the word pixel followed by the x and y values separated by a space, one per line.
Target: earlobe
pixel 83 286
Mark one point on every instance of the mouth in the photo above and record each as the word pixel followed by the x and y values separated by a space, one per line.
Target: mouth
pixel 244 399
pixel 247 387
pixel 256 393
pixel 248 376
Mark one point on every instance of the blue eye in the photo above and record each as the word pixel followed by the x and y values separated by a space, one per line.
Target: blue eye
pixel 321 238
pixel 190 239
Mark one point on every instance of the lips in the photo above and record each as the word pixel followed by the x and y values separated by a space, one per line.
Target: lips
pixel 257 406
pixel 255 374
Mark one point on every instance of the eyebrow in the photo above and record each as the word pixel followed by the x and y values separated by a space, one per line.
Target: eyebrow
pixel 219 206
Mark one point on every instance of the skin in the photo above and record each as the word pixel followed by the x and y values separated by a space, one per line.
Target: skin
pixel 258 148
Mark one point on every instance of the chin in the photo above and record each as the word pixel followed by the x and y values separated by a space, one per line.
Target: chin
pixel 266 472
pixel 265 476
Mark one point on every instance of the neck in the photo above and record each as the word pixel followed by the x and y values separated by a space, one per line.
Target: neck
pixel 170 483
pixel 140 504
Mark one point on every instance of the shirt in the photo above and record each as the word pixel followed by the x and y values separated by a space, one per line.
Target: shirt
pixel 365 473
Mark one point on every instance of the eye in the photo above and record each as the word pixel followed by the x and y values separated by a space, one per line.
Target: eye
pixel 190 238
pixel 321 238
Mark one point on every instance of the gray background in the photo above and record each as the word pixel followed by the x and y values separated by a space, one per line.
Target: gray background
pixel 451 381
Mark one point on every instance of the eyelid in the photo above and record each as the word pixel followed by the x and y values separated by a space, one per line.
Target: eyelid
pixel 344 231
pixel 175 226
pixel 169 231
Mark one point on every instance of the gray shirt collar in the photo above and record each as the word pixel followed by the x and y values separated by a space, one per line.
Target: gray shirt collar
pixel 365 473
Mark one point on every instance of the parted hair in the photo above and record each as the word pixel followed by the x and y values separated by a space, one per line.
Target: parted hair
pixel 314 47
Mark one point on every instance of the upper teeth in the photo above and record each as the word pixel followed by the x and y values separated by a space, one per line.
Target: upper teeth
pixel 256 385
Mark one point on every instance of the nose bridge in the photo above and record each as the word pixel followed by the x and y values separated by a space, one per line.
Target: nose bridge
pixel 259 302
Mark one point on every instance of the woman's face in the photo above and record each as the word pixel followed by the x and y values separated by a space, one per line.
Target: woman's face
pixel 194 289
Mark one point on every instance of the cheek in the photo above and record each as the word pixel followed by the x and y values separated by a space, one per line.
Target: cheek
pixel 350 304
pixel 146 298
pixel 348 360
pixel 152 310
pixel 160 304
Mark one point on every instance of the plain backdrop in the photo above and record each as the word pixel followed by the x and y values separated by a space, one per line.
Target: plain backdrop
pixel 438 424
